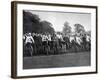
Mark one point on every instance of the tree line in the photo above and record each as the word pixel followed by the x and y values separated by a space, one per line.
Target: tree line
pixel 32 23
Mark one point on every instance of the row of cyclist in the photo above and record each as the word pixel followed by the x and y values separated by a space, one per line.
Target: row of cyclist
pixel 45 43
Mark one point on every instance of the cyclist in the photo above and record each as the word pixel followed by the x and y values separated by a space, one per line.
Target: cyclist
pixel 29 41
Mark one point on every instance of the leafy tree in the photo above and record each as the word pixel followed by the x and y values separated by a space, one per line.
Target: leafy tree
pixel 47 27
pixel 79 28
pixel 67 28
pixel 32 23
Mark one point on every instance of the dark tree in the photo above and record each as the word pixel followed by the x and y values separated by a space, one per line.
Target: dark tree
pixel 47 27
pixel 32 23
pixel 79 28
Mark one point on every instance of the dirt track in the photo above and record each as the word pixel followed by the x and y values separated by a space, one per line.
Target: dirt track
pixel 61 60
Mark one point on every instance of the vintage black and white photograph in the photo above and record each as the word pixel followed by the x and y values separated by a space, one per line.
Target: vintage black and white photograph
pixel 56 39
pixel 53 39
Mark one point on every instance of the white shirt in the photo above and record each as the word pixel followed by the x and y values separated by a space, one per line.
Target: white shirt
pixel 71 38
pixel 88 38
pixel 49 37
pixel 29 39
pixel 44 38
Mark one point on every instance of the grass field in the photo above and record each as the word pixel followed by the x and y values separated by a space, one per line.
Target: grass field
pixel 61 60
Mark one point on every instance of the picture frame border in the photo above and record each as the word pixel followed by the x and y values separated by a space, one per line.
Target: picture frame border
pixel 14 38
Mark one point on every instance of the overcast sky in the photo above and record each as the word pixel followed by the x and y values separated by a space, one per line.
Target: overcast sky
pixel 58 18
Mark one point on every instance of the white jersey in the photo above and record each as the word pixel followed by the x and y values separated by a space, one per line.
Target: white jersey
pixel 88 38
pixel 78 40
pixel 49 37
pixel 44 38
pixel 71 38
pixel 29 39
pixel 60 37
